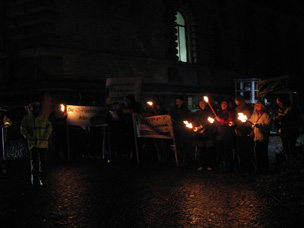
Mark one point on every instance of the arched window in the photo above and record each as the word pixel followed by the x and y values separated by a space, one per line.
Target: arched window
pixel 181 38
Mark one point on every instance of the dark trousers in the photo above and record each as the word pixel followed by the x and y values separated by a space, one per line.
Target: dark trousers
pixel 37 160
pixel 207 157
pixel 182 147
pixel 262 160
pixel 245 154
pixel 224 151
pixel 289 146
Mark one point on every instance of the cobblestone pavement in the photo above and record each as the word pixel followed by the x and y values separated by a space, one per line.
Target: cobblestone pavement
pixel 95 194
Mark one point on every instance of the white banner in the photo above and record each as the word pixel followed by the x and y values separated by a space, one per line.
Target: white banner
pixel 118 88
pixel 154 127
pixel 81 115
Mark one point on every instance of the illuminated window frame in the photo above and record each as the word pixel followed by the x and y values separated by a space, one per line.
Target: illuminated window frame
pixel 181 33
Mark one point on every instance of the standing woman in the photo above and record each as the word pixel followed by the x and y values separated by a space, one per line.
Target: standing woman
pixel 204 137
pixel 225 138
pixel 261 127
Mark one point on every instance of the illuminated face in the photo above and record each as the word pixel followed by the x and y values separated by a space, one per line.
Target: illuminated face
pixel 202 105
pixel 224 105
pixel 258 107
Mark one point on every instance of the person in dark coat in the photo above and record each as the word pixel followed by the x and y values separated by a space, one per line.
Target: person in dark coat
pixel 203 138
pixel 244 139
pixel 225 138
pixel 287 121
pixel 130 106
pixel 182 134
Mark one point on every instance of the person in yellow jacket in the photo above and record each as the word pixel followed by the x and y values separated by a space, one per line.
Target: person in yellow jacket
pixel 36 128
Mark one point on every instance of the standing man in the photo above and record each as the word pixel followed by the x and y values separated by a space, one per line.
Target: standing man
pixel 180 114
pixel 287 121
pixel 244 138
pixel 36 129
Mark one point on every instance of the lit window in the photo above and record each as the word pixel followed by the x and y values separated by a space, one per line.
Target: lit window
pixel 181 38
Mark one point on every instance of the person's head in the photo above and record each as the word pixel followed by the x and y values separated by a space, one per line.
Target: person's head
pixel 224 105
pixel 231 104
pixel 130 98
pixel 179 101
pixel 283 102
pixel 35 107
pixel 115 106
pixel 202 104
pixel 259 106
pixel 239 100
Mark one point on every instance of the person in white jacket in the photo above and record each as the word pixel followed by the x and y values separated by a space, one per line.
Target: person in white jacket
pixel 260 121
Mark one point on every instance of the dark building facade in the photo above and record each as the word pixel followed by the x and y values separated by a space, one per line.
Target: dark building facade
pixel 69 48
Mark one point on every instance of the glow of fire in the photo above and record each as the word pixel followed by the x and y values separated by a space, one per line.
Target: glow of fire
pixel 62 107
pixel 210 119
pixel 206 99
pixel 150 103
pixel 242 117
pixel 189 125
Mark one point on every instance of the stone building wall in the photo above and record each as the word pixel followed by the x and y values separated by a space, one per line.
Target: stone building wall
pixel 75 45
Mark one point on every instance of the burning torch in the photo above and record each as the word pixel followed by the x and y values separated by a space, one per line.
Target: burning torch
pixel 188 124
pixel 206 99
pixel 63 109
pixel 243 118
pixel 150 103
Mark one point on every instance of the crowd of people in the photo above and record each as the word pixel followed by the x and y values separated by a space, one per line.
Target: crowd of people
pixel 237 140
pixel 233 138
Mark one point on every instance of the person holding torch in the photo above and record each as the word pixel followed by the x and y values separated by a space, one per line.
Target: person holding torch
pixel 244 139
pixel 203 136
pixel 182 136
pixel 225 138
pixel 260 121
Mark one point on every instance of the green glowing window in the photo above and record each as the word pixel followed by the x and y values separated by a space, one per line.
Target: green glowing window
pixel 181 38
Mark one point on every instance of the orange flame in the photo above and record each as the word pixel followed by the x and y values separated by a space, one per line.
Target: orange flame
pixel 150 103
pixel 211 120
pixel 206 99
pixel 243 118
pixel 62 107
pixel 188 125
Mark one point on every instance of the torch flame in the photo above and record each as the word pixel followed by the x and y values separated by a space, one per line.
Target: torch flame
pixel 211 120
pixel 62 107
pixel 189 125
pixel 206 99
pixel 150 103
pixel 243 118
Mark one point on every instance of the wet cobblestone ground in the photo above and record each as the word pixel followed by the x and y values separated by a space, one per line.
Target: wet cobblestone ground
pixel 95 194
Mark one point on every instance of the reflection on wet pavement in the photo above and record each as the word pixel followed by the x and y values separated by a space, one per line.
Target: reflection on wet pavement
pixel 92 194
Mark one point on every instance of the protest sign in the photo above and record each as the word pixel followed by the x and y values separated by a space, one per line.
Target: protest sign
pixel 154 127
pixel 118 88
pixel 157 127
pixel 81 115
